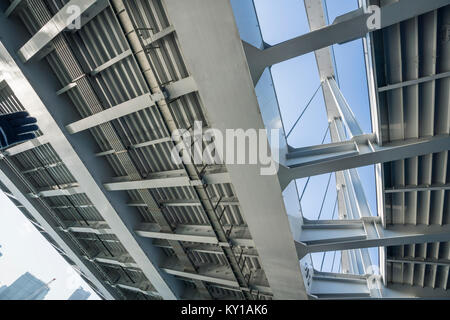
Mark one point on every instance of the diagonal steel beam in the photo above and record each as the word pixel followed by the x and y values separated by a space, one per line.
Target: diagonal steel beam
pixel 215 35
pixel 215 274
pixel 51 29
pixel 330 235
pixel 206 248
pixel 238 236
pixel 315 160
pixel 421 261
pixel 26 81
pixel 13 7
pixel 326 285
pixel 54 192
pixel 166 180
pixel 173 90
pixel 350 26
pixel 414 82
pixel 143 288
pixel 94 227
pixel 111 62
pixel 131 106
pixel 189 202
pixel 25 146
pixel 432 187
pixel 124 260
pixel 159 35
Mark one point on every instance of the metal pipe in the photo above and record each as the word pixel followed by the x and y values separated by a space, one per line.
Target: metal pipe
pixel 150 77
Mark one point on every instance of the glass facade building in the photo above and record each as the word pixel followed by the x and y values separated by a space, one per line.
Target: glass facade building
pixel 80 294
pixel 26 287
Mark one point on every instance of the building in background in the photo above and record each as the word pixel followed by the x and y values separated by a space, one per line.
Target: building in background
pixel 26 287
pixel 80 294
pixel 100 184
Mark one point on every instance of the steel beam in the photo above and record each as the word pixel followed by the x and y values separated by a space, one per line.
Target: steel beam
pixel 88 238
pixel 228 281
pixel 345 28
pixel 54 192
pixel 158 35
pixel 151 143
pixel 136 146
pixel 315 160
pixel 189 202
pixel 33 83
pixel 124 260
pixel 356 204
pixel 239 236
pixel 352 203
pixel 66 88
pixel 77 206
pixel 149 184
pixel 13 7
pixel 94 227
pixel 53 165
pixel 180 88
pixel 51 29
pixel 339 286
pixel 329 235
pixel 325 285
pixel 131 106
pixel 174 90
pixel 421 261
pixel 399 291
pixel 337 108
pixel 143 288
pixel 205 248
pixel 345 111
pixel 433 187
pixel 167 179
pixel 414 82
pixel 214 274
pixel 224 97
pixel 10 195
pixel 111 62
pixel 27 145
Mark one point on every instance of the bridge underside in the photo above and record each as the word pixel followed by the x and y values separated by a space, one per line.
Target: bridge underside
pixel 100 184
